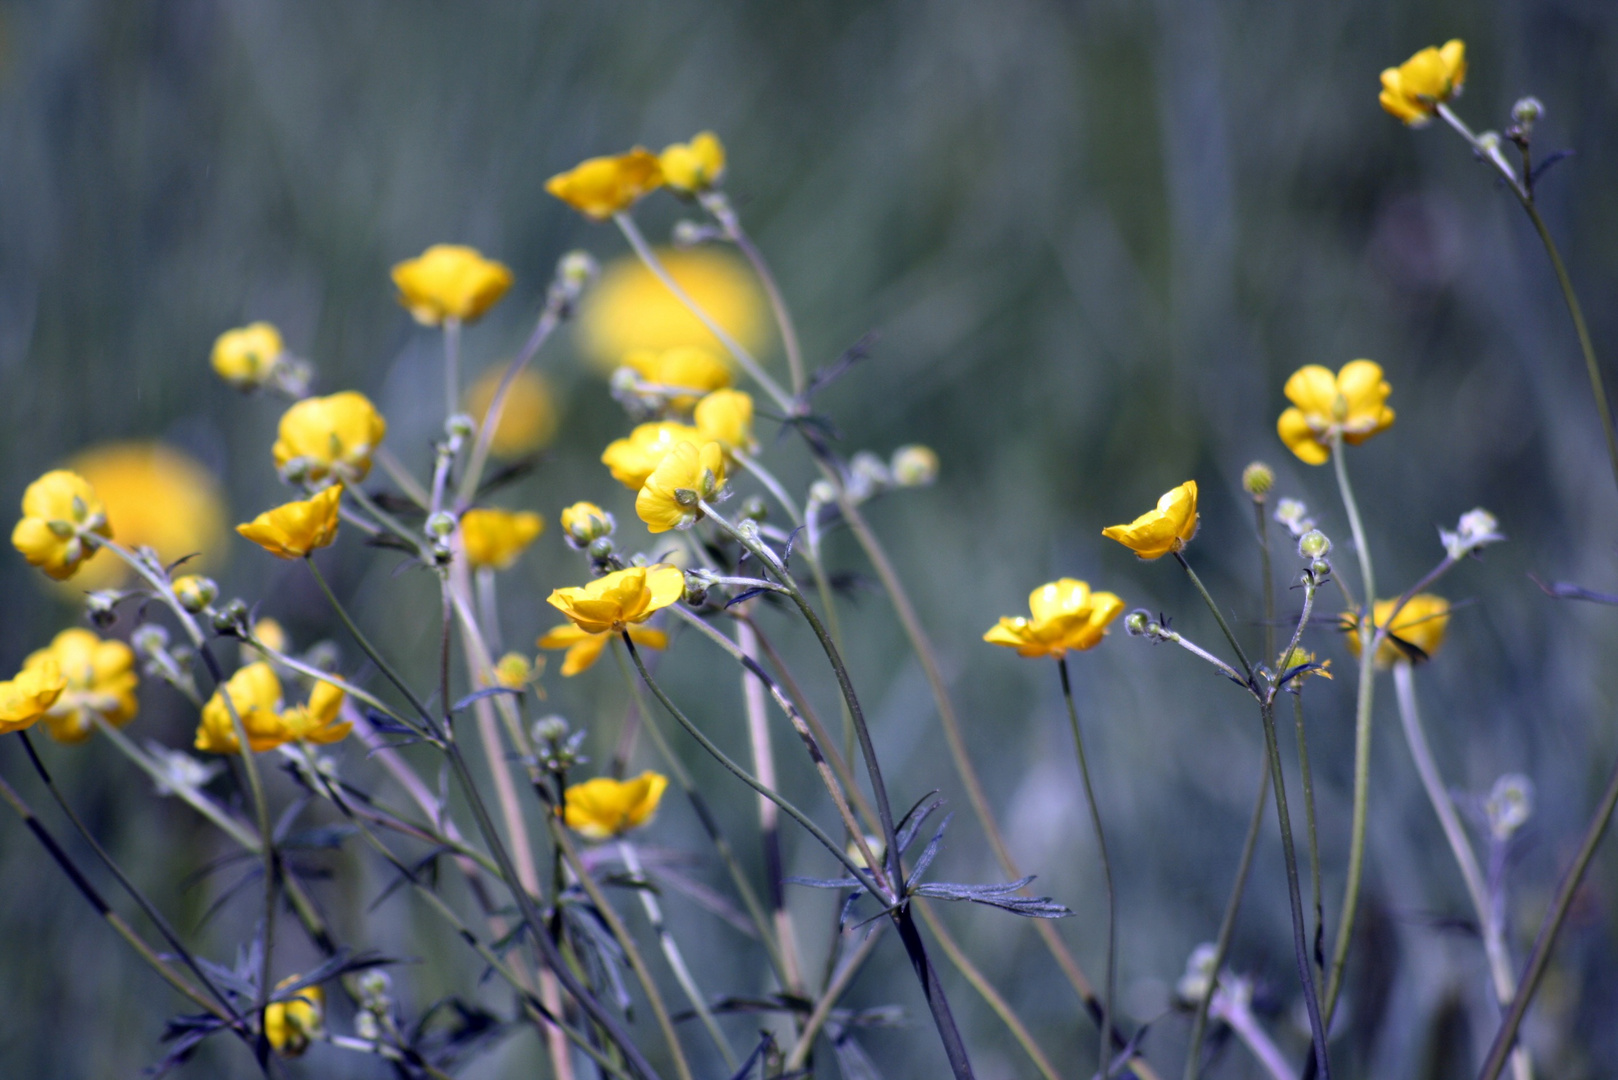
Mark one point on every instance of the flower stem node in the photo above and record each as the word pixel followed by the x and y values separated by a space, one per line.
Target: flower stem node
pixel 576 269
pixel 1257 480
pixel 697 584
pixel 1314 544
pixel 1509 805
pixel 690 234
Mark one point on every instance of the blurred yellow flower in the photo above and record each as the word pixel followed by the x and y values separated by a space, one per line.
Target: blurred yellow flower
pixel 514 671
pixel 293 530
pixel 195 592
pixel 687 473
pixel 244 357
pixel 584 647
pixel 685 366
pixel 1415 635
pixel 270 634
pixel 450 281
pixel 633 459
pixel 603 186
pixel 58 511
pixel 1300 657
pixel 329 436
pixel 317 721
pixel 584 522
pixel 1352 402
pixel 1066 615
pixel 914 465
pixel 256 693
pixel 604 808
pixel 726 417
pixel 528 418
pixel 1166 529
pixel 1414 90
pixel 693 167
pixel 156 497
pixel 495 538
pixel 290 1025
pixel 29 696
pixel 613 601
pixel 630 309
pixel 99 679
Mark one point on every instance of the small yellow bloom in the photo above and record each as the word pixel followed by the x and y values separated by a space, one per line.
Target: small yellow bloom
pixel 630 309
pixel 1414 90
pixel 290 1025
pixel 293 530
pixel 27 698
pixel 688 367
pixel 1351 403
pixel 59 510
pixel 270 634
pixel 527 419
pixel 246 356
pixel 1415 635
pixel 584 522
pixel 603 186
pixel 317 721
pixel 495 538
pixel 584 647
pixel 603 808
pixel 330 436
pixel 256 693
pixel 695 166
pixel 1066 615
pixel 514 671
pixel 99 679
pixel 613 601
pixel 914 465
pixel 450 281
pixel 1166 529
pixel 669 498
pixel 1300 657
pixel 726 417
pixel 635 458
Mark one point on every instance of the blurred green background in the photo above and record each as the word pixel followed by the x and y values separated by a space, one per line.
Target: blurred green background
pixel 1094 238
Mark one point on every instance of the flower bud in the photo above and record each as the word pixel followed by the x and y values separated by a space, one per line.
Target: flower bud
pixel 867 475
pixel 100 607
pixel 442 553
pixel 323 655
pixel 460 427
pixel 374 985
pixel 696 587
pixel 754 508
pixel 686 234
pixel 823 492
pixel 1476 529
pixel 1321 569
pixel 550 730
pixel 584 522
pixel 601 548
pixel 576 269
pixel 1257 479
pixel 1199 972
pixel 231 618
pixel 914 466
pixel 1509 805
pixel 1527 112
pixel 1136 621
pixel 440 525
pixel 1489 142
pixel 1294 515
pixel 1314 544
pixel 149 639
pixel 195 592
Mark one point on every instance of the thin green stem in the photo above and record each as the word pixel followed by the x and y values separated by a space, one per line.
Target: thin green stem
pixel 1317 941
pixel 835 986
pixel 1219 618
pixel 452 366
pixel 719 206
pixel 549 319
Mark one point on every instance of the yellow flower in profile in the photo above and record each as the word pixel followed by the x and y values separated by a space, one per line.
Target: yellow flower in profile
pixel 1352 403
pixel 1414 90
pixel 611 602
pixel 636 457
pixel 330 436
pixel 514 671
pixel 494 539
pixel 317 721
pixel 450 281
pixel 630 309
pixel 99 680
pixel 584 647
pixel 689 367
pixel 603 186
pixel 25 699
pixel 1066 615
pixel 59 511
pixel 293 530
pixel 244 357
pixel 528 417
pixel 256 693
pixel 1164 530
pixel 693 167
pixel 604 808
pixel 290 1025
pixel 1415 635
pixel 687 473
pixel 584 522
pixel 726 417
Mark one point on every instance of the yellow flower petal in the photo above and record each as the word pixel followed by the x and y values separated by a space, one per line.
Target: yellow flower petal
pixel 1415 635
pixel 294 529
pixel 603 808
pixel 611 602
pixel 244 357
pixel 1163 530
pixel 25 699
pixel 255 691
pixel 633 459
pixel 60 512
pixel 528 417
pixel 495 538
pixel 330 436
pixel 450 281
pixel 630 310
pixel 600 187
pixel 668 500
pixel 1067 616
pixel 694 166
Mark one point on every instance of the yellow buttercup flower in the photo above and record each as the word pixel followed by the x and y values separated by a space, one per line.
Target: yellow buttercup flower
pixel 634 458
pixel 317 721
pixel 246 356
pixel 528 417
pixel 290 1025
pixel 1164 530
pixel 60 511
pixel 1415 635
pixel 1414 90
pixel 99 679
pixel 1351 403
pixel 726 417
pixel 611 602
pixel 450 281
pixel 514 671
pixel 584 522
pixel 689 367
pixel 26 699
pixel 329 436
pixel 630 309
pixel 687 473
pixel 255 691
pixel 604 808
pixel 603 186
pixel 693 167
pixel 293 530
pixel 584 647
pixel 1066 615
pixel 495 538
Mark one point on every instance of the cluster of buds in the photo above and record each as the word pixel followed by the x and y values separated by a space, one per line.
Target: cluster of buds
pixel 162 660
pixel 375 1015
pixel 556 745
pixel 910 466
pixel 1313 547
pixel 574 272
pixel 180 771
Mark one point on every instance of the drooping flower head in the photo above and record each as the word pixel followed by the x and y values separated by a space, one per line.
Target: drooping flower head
pixel 60 511
pixel 329 436
pixel 293 530
pixel 604 808
pixel 1065 615
pixel 584 648
pixel 255 691
pixel 1414 90
pixel 688 473
pixel 1352 403
pixel 1416 633
pixel 613 601
pixel 600 187
pixel 1163 530
pixel 246 356
pixel 290 1024
pixel 726 417
pixel 26 699
pixel 494 539
pixel 629 309
pixel 528 417
pixel 99 680
pixel 693 167
pixel 633 459
pixel 450 281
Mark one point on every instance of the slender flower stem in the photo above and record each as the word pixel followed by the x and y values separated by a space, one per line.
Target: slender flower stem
pixel 375 657
pixel 452 366
pixel 835 986
pixel 1235 1009
pixel 549 319
pixel 196 799
pixel 719 206
pixel 1317 940
pixel 1219 618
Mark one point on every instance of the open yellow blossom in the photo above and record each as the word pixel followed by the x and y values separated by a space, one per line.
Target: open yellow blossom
pixel 293 530
pixel 450 281
pixel 630 309
pixel 603 186
pixel 693 167
pixel 330 436
pixel 290 1025
pixel 27 698
pixel 1414 90
pixel 317 721
pixel 59 511
pixel 1415 635
pixel 634 458
pixel 1164 530
pixel 584 522
pixel 99 680
pixel 494 539
pixel 604 808
pixel 613 601
pixel 244 357
pixel 514 671
pixel 687 473
pixel 1066 615
pixel 690 367
pixel 256 693
pixel 1352 403
pixel 726 417
pixel 528 417
pixel 584 647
